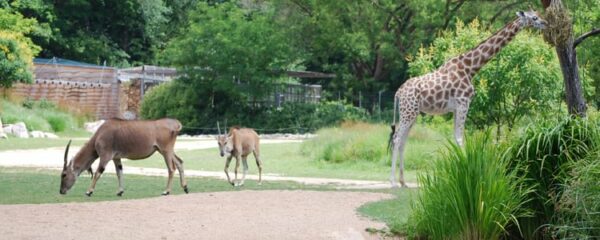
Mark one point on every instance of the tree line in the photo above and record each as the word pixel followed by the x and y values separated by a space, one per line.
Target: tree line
pixel 369 45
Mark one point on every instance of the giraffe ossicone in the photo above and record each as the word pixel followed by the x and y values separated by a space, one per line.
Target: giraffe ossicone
pixel 448 88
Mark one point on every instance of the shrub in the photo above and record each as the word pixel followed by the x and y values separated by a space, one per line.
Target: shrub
pixel 578 214
pixel 470 194
pixel 544 155
pixel 40 116
pixel 349 143
pixel 176 100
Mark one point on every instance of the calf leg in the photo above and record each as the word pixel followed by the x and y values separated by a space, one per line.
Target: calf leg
pixel 179 165
pixel 259 165
pixel 245 162
pixel 101 167
pixel 227 162
pixel 119 170
pixel 237 167
pixel 169 156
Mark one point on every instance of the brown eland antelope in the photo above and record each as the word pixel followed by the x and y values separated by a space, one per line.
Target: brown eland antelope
pixel 117 139
pixel 240 142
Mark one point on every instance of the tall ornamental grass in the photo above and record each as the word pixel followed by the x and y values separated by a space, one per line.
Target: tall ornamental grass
pixel 470 193
pixel 544 155
pixel 578 210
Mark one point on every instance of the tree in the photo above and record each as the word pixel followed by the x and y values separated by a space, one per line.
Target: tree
pixel 520 81
pixel 229 55
pixel 16 49
pixel 560 35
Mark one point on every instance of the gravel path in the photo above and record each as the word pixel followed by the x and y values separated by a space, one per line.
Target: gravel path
pixel 220 215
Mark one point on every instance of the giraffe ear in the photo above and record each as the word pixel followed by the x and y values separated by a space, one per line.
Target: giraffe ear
pixel 520 14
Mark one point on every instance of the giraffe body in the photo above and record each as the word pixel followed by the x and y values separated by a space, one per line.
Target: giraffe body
pixel 448 88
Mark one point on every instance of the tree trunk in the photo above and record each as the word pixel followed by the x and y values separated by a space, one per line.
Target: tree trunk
pixel 567 57
pixel 559 33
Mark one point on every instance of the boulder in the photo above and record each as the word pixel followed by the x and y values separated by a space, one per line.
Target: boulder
pixel 93 126
pixel 18 129
pixel 37 134
pixel 2 134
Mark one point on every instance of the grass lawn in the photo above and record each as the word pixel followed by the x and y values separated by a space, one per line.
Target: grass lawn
pixel 282 159
pixel 29 185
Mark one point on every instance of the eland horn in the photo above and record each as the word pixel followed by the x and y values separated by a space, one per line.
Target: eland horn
pixel 66 154
pixel 218 128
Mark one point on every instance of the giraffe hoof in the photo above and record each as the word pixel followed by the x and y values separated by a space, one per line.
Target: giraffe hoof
pixel 120 193
pixel 89 194
pixel 185 189
pixel 165 193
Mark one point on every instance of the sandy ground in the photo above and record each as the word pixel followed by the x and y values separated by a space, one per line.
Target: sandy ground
pixel 221 215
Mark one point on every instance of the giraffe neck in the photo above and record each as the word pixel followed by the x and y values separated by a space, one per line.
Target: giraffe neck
pixel 480 55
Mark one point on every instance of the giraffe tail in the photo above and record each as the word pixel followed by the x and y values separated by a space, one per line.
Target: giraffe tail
pixel 393 126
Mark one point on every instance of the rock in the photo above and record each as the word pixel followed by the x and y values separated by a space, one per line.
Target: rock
pixel 50 135
pixel 2 134
pixel 18 129
pixel 93 126
pixel 37 134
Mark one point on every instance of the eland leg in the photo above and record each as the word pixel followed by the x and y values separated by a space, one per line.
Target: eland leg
pixel 179 165
pixel 237 168
pixel 245 162
pixel 227 162
pixel 101 167
pixel 119 170
pixel 259 165
pixel 169 160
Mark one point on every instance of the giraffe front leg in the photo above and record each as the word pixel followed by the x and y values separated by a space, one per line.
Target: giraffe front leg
pixel 460 116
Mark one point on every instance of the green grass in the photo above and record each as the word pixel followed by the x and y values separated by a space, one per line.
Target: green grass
pixel 34 143
pixel 283 159
pixel 39 116
pixel 394 212
pixel 27 185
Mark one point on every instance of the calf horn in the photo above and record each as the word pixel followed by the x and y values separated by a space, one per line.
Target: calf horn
pixel 218 128
pixel 66 154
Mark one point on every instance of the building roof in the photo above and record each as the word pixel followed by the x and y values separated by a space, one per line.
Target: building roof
pixel 66 62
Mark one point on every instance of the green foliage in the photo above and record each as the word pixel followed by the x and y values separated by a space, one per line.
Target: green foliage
pixel 349 143
pixel 16 50
pixel 522 80
pixel 579 205
pixel 545 154
pixel 176 100
pixel 39 115
pixel 470 194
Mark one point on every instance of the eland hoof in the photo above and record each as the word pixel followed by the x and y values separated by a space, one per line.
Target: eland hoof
pixel 89 194
pixel 120 193
pixel 185 189
pixel 165 193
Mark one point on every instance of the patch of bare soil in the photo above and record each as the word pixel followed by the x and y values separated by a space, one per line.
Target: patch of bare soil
pixel 219 215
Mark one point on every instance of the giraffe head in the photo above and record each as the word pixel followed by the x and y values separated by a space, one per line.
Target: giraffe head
pixel 531 18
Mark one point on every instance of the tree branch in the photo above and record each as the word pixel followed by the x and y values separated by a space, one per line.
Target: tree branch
pixel 584 36
pixel 508 6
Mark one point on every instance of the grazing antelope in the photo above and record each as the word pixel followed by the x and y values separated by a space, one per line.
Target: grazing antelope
pixel 117 139
pixel 240 142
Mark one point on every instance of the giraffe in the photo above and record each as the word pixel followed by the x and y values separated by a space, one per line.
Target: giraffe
pixel 448 88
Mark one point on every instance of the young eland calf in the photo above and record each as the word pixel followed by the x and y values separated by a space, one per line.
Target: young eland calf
pixel 117 139
pixel 240 142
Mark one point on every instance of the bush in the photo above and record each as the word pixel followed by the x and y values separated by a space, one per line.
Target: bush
pixel 578 214
pixel 176 100
pixel 545 155
pixel 349 143
pixel 40 116
pixel 470 194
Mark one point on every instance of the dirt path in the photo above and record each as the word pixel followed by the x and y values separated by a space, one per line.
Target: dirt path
pixel 221 215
